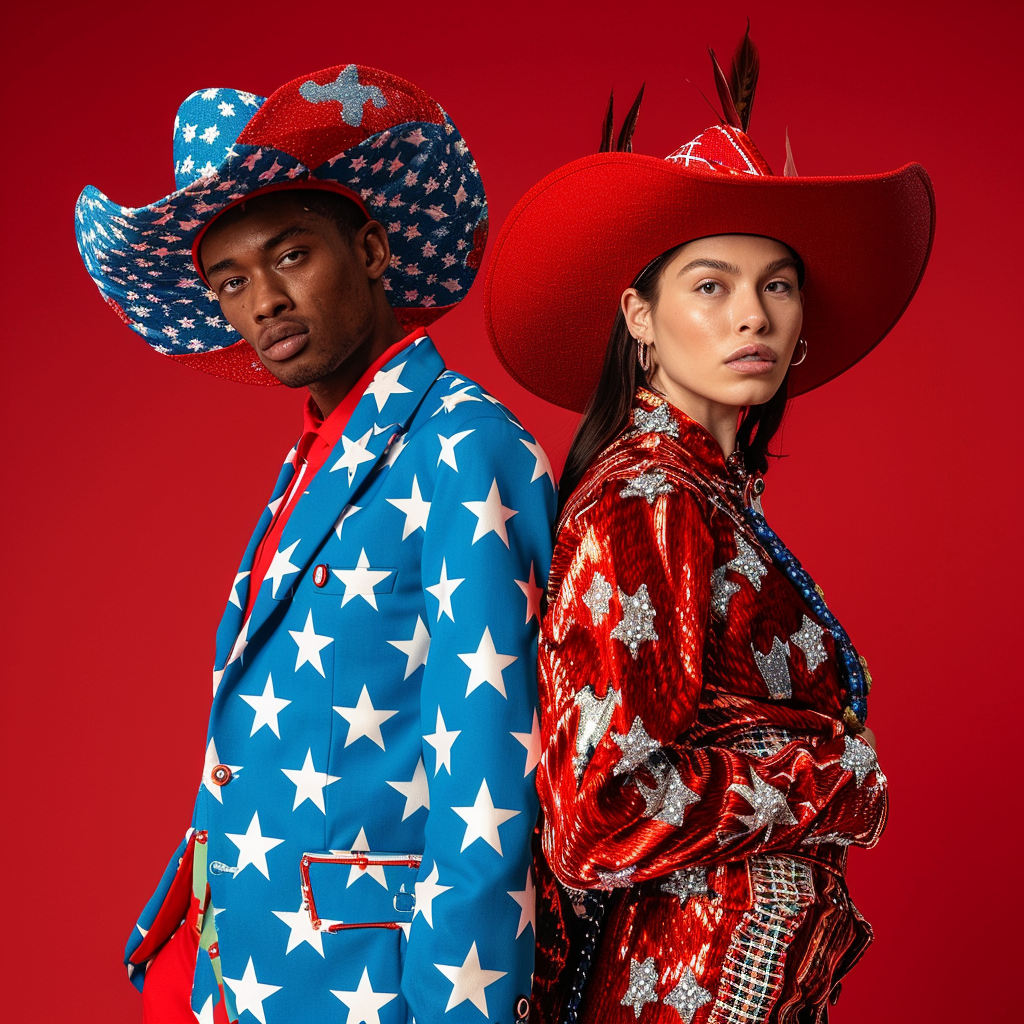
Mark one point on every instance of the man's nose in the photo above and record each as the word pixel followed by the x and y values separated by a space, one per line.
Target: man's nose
pixel 270 299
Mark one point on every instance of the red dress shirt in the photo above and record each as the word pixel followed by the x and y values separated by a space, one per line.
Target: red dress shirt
pixel 319 436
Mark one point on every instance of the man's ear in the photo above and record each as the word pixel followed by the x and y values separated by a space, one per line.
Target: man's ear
pixel 371 241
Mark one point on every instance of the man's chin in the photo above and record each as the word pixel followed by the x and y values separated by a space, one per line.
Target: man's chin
pixel 296 372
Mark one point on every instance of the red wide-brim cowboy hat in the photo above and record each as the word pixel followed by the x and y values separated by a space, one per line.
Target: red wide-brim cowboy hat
pixel 581 236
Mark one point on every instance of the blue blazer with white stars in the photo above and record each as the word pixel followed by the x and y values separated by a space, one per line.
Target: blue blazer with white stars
pixel 381 699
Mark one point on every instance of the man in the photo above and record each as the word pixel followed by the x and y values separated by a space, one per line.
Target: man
pixel 360 848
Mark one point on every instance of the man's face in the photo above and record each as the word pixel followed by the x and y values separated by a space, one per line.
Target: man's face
pixel 293 285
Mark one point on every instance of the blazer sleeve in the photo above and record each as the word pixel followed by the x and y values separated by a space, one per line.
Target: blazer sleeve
pixel 486 553
pixel 626 793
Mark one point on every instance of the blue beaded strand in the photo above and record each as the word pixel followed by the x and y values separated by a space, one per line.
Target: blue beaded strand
pixel 851 668
pixel 595 904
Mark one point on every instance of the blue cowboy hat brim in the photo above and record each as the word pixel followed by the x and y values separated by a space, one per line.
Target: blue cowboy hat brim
pixel 415 175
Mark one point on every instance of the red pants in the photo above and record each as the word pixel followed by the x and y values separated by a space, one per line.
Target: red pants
pixel 167 991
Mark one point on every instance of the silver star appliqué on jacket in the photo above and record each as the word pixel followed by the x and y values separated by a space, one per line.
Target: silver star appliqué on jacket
pixel 637 621
pixel 688 996
pixel 808 639
pixel 687 882
pixel 657 421
pixel 597 598
pixel 636 747
pixel 647 486
pixel 595 716
pixel 859 758
pixel 768 804
pixel 773 666
pixel 643 977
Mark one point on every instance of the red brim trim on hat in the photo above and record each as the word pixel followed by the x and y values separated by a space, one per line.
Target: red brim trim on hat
pixel 239 361
pixel 282 186
pixel 579 237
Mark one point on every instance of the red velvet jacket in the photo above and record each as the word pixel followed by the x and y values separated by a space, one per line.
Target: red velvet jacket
pixel 694 751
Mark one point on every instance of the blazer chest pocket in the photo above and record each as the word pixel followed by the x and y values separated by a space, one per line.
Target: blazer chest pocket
pixel 353 580
pixel 338 899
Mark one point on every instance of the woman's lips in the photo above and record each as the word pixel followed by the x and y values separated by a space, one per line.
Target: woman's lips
pixel 752 359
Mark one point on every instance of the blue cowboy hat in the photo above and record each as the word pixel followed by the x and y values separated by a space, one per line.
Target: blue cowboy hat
pixel 367 135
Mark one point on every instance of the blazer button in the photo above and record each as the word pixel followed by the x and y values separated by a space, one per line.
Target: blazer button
pixel 221 775
pixel 522 1010
pixel 321 576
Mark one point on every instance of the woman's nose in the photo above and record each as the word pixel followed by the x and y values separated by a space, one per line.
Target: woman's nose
pixel 750 317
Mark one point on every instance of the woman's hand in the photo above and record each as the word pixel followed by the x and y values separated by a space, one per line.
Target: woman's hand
pixel 869 737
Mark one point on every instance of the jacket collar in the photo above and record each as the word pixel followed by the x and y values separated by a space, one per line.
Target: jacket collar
pixel 378 422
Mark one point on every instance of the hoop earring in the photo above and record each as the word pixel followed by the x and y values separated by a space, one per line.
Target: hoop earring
pixel 643 355
pixel 797 362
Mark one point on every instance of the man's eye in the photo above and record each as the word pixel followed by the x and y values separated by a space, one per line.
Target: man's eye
pixel 294 256
pixel 232 283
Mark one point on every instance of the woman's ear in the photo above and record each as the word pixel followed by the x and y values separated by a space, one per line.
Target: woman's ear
pixel 636 312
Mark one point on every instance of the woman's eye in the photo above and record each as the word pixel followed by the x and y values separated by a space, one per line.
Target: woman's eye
pixel 778 287
pixel 708 287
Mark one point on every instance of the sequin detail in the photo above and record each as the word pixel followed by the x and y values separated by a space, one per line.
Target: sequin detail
pixel 595 716
pixel 668 799
pixel 643 977
pixel 647 486
pixel 836 838
pixel 859 758
pixel 597 598
pixel 658 421
pixel 748 563
pixel 636 625
pixel 768 804
pixel 722 590
pixel 636 747
pixel 808 639
pixel 621 879
pixel 775 670
pixel 688 996
pixel 687 882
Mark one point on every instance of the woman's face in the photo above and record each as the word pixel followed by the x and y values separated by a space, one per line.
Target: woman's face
pixel 724 323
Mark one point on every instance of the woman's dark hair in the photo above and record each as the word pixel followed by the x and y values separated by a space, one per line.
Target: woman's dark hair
pixel 608 410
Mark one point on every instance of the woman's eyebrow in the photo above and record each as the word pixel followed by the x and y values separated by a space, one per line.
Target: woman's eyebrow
pixel 726 268
pixel 780 264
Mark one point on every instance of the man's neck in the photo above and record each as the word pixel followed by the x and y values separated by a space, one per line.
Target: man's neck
pixel 330 391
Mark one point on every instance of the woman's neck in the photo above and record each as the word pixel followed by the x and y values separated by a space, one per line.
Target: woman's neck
pixel 720 421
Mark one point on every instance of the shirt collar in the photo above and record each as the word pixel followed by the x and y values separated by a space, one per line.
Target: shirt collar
pixel 697 442
pixel 331 429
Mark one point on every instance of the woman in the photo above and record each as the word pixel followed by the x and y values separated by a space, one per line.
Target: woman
pixel 706 761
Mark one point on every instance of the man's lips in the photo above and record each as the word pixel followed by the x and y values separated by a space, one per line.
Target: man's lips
pixel 752 359
pixel 283 340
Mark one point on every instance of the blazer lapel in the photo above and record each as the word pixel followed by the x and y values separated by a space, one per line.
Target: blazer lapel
pixel 231 621
pixel 378 421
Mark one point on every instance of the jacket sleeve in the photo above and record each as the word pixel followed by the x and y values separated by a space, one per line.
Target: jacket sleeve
pixel 486 554
pixel 626 793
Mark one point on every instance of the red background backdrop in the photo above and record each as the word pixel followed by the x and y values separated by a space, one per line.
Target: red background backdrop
pixel 131 484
